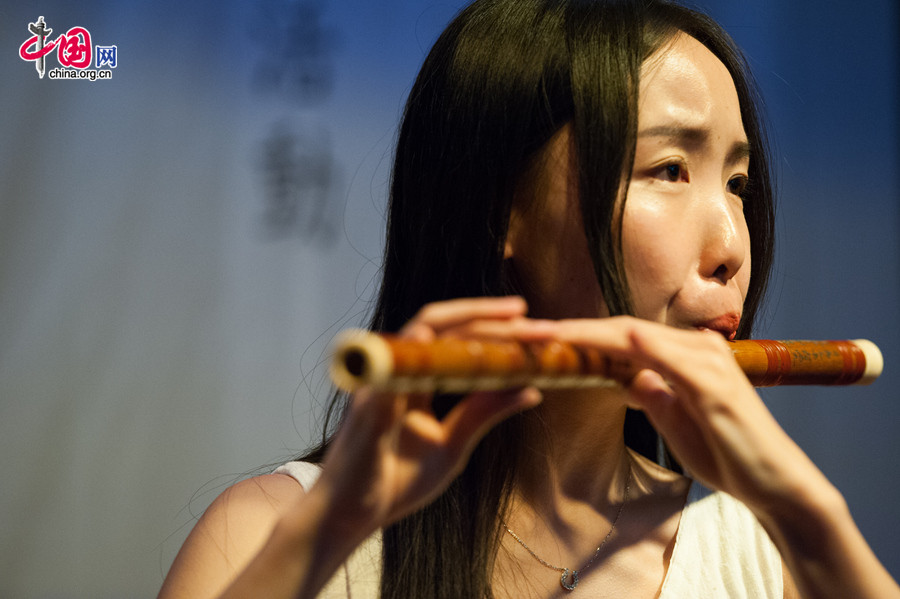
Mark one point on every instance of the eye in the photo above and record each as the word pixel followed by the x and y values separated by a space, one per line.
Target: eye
pixel 674 172
pixel 738 185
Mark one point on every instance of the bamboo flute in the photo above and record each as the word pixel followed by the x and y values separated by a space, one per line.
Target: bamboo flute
pixel 391 363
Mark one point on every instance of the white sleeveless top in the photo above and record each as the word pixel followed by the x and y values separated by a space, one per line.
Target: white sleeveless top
pixel 721 551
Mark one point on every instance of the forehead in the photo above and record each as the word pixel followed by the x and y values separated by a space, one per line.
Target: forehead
pixel 684 82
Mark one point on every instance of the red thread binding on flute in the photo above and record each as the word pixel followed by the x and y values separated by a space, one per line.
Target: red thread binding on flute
pixel 779 362
pixel 854 363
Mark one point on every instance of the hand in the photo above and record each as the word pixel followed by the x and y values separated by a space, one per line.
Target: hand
pixel 694 393
pixel 699 400
pixel 392 455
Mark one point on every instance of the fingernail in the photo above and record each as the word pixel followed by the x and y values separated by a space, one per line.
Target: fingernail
pixel 532 395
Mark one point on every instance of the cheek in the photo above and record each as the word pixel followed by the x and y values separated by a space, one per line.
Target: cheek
pixel 656 254
pixel 553 264
pixel 743 276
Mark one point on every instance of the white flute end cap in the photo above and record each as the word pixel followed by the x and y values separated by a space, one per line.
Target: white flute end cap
pixel 874 361
pixel 360 358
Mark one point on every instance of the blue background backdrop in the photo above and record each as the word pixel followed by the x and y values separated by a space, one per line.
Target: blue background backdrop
pixel 179 243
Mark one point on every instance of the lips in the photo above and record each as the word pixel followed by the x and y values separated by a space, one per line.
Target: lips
pixel 726 325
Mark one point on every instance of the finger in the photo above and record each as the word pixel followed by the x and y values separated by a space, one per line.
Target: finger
pixel 633 338
pixel 689 359
pixel 518 328
pixel 684 437
pixel 369 425
pixel 441 315
pixel 420 401
pixel 418 331
pixel 649 391
pixel 609 335
pixel 371 414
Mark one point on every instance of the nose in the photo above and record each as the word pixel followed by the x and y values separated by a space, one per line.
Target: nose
pixel 725 246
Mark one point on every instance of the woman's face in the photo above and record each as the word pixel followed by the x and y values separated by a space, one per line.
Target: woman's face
pixel 686 247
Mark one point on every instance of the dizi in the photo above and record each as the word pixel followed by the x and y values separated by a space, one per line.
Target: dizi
pixel 387 362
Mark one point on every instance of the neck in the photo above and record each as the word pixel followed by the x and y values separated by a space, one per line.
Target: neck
pixel 579 456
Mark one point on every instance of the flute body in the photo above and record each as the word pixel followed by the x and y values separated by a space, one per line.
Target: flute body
pixel 451 365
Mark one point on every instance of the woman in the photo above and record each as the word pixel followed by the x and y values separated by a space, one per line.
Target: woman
pixel 593 172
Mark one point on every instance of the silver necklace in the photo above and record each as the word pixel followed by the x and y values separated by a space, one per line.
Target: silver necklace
pixel 564 578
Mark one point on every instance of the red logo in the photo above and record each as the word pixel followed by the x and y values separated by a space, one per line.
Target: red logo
pixel 73 49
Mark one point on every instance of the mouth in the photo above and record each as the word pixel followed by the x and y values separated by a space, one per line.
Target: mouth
pixel 726 325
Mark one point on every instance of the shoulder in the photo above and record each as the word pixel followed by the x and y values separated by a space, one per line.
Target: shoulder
pixel 722 550
pixel 258 499
pixel 230 533
pixel 741 529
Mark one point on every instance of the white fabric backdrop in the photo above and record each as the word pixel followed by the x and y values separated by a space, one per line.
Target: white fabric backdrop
pixel 159 336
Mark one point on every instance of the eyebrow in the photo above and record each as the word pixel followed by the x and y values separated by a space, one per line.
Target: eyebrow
pixel 697 136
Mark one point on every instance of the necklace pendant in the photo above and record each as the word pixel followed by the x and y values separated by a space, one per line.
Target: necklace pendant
pixel 564 579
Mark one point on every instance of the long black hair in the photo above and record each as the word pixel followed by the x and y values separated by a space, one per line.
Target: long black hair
pixel 499 82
